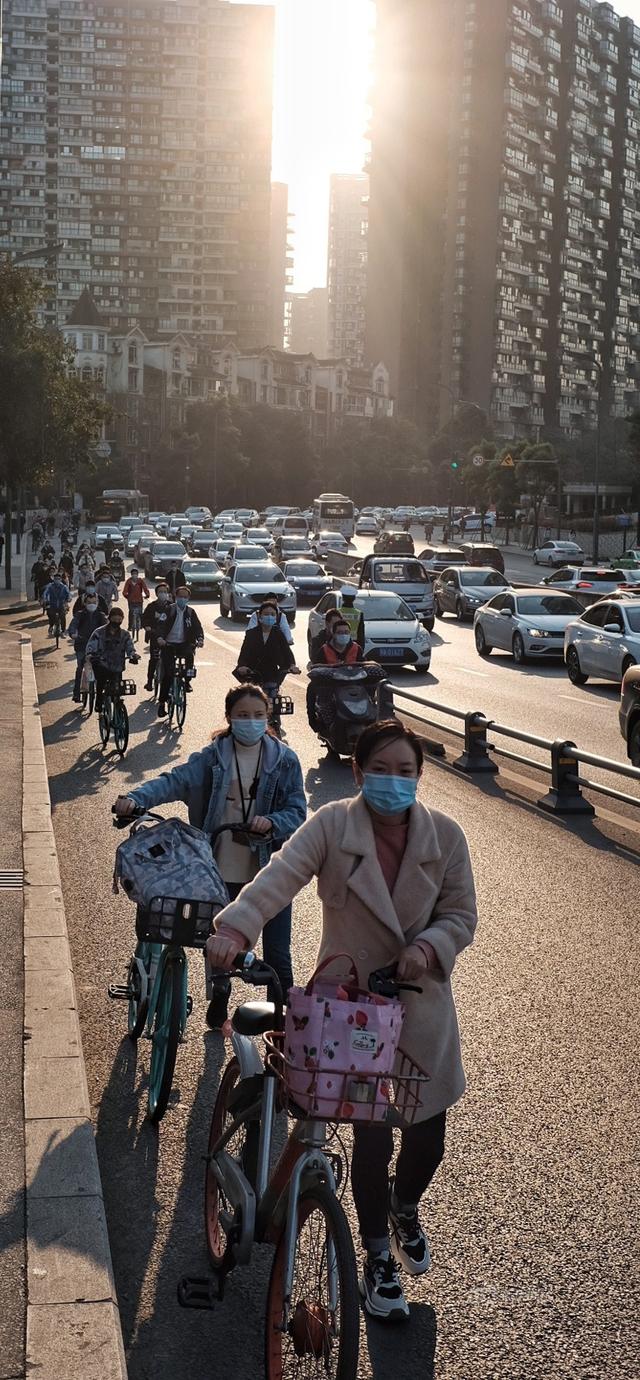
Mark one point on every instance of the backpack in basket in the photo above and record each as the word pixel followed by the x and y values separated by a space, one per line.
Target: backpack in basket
pixel 340 1044
pixel 168 858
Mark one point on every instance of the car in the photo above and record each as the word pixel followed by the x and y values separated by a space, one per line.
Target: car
pixel 202 575
pixel 291 548
pixel 144 544
pixel 404 576
pixel 220 547
pixel 393 544
pixel 530 623
pixel 244 551
pixel 329 541
pixel 259 536
pixel 629 713
pixel 393 635
pixel 201 543
pixel 462 589
pixel 246 516
pixel 157 516
pixel 558 553
pixel 126 523
pixel 474 522
pixel 307 578
pixel 482 553
pixel 161 556
pixel 604 642
pixel 437 558
pixel 133 536
pixel 198 515
pixel 104 531
pixel 367 526
pixel 588 583
pixel 176 521
pixel 243 588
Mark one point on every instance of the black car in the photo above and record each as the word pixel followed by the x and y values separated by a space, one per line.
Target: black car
pixel 307 578
pixel 394 544
pixel 437 558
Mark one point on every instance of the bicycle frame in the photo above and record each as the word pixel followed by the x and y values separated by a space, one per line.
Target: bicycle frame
pixel 159 960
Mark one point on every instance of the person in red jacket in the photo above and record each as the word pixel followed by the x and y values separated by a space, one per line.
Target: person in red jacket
pixel 135 591
pixel 340 650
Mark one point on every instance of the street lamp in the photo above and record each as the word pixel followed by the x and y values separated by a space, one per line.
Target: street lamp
pixel 456 402
pixel 594 364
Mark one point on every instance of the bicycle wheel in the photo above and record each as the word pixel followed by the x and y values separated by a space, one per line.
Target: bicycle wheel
pixel 165 1038
pixel 322 1335
pixel 139 1001
pixel 120 727
pixel 180 702
pixel 104 720
pixel 92 696
pixel 156 678
pixel 242 1146
pixel 57 633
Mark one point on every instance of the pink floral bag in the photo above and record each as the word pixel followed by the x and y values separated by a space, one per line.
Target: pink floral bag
pixel 340 1044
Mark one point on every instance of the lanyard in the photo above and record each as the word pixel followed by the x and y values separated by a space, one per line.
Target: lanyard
pixel 253 789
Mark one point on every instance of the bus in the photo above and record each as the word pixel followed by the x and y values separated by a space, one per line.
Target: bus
pixel 334 513
pixel 116 503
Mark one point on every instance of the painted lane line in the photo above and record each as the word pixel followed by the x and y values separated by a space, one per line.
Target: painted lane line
pixel 468 672
pixel 577 699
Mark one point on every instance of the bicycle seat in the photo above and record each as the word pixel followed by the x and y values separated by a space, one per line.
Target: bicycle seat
pixel 254 1018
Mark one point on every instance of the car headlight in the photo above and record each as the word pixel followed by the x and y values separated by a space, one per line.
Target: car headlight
pixel 422 635
pixel 472 599
pixel 539 632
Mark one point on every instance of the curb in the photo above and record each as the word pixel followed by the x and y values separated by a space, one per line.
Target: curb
pixel 73 1323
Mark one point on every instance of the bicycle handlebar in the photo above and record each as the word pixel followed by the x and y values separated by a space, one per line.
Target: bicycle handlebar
pixel 384 983
pixel 254 971
pixel 138 812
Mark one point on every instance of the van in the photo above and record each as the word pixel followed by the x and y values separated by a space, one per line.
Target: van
pixel 291 525
pixel 481 553
pixel 404 576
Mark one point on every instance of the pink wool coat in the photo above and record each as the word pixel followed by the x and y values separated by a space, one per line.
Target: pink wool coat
pixel 433 899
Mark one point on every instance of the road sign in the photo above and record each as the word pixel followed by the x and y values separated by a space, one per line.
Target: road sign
pixel 508 463
pixel 478 460
pixel 103 450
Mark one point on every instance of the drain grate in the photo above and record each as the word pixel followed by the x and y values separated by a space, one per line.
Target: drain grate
pixel 12 881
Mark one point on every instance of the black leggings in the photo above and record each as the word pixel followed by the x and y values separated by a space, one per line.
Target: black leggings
pixel 421 1151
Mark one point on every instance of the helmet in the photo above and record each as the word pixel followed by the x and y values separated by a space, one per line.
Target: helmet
pixel 348 593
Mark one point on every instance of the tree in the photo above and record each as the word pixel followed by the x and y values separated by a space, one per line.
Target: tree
pixel 376 462
pixel 468 430
pixel 537 476
pixel 633 441
pixel 50 420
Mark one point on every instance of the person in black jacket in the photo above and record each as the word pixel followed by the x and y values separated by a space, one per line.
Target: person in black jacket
pixel 184 632
pixel 265 655
pixel 174 577
pixel 155 620
pixel 83 624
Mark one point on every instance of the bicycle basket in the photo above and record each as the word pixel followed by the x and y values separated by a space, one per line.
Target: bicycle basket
pixel 340 1095
pixel 128 687
pixel 282 704
pixel 169 920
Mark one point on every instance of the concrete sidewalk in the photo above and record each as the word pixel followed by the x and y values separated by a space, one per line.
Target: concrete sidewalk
pixel 58 1317
pixel 16 597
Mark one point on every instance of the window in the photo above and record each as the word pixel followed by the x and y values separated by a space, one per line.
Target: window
pixel 133 380
pixel 87 341
pixel 101 342
pixel 595 617
pixel 133 354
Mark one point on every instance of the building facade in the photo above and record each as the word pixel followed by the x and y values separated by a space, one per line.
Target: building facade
pixel 135 145
pixel 280 263
pixel 347 266
pixel 307 322
pixel 504 204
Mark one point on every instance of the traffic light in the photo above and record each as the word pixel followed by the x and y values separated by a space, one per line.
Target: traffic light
pixel 455 464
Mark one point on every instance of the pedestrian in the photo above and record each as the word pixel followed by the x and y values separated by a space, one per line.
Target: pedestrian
pixel 81 628
pixel 184 633
pixel 573 534
pixel 108 648
pixel 397 887
pixel 245 776
pixel 154 621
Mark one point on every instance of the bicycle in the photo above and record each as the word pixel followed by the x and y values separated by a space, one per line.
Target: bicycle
pixel 88 697
pixel 113 713
pixel 56 627
pixel 177 693
pixel 312 1316
pixel 279 705
pixel 135 620
pixel 156 986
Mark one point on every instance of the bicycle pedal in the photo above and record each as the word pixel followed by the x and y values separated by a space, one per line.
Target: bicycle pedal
pixel 120 993
pixel 200 1291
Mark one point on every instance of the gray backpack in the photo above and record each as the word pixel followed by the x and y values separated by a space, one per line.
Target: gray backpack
pixel 168 859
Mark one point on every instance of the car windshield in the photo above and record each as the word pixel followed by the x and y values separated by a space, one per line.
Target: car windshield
pixel 303 568
pixel 543 605
pixel 169 548
pixel 260 575
pixel 633 617
pixel 481 578
pixel 246 553
pixel 400 573
pixel 199 567
pixel 385 608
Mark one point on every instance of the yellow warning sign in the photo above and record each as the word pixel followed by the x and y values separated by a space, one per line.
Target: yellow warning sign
pixel 508 463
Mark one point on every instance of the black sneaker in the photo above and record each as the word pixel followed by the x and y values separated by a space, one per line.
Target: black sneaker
pixel 381 1288
pixel 217 1010
pixel 162 711
pixel 148 685
pixel 409 1242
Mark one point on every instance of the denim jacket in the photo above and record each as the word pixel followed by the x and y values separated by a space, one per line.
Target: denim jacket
pixel 202 783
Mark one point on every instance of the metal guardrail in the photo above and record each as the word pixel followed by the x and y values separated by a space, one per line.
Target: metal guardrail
pixel 564 796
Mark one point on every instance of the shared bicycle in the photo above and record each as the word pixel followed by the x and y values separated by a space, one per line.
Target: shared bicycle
pixel 56 625
pixel 177 692
pixel 135 620
pixel 113 714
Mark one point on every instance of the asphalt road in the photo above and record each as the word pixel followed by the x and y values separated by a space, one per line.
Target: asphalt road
pixel 533 1215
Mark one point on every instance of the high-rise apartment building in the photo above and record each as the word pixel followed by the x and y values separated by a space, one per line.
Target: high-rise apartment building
pixel 307 322
pixel 280 262
pixel 504 206
pixel 347 265
pixel 135 143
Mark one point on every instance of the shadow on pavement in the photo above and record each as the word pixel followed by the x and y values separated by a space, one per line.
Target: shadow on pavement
pixel 406 1349
pixel 332 779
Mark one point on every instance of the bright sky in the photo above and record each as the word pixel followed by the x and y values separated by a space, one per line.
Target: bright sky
pixel 322 74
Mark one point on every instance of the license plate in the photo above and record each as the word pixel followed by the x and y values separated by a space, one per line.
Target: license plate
pixel 391 651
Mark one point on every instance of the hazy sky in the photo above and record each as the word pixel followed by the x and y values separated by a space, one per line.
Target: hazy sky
pixel 322 65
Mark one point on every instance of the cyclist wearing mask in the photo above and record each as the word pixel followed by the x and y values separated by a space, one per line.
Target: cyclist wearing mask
pixel 106 586
pixel 135 591
pixel 40 577
pixel 82 626
pixel 340 649
pixel 265 655
pixel 246 775
pixel 282 621
pixel 154 622
pixel 66 562
pixel 56 599
pixel 184 632
pixel 174 577
pixel 91 591
pixel 108 648
pixel 85 572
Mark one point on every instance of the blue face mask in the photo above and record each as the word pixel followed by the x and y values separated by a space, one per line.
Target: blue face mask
pixel 340 641
pixel 389 795
pixel 268 620
pixel 248 731
pixel 181 603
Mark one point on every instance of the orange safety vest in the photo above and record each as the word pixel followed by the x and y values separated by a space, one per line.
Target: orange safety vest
pixel 334 658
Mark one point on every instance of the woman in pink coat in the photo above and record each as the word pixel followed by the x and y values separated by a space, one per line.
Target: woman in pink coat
pixel 396 886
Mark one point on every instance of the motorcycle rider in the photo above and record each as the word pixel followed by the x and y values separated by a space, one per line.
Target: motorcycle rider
pixel 315 648
pixel 154 621
pixel 108 648
pixel 340 649
pixel 184 632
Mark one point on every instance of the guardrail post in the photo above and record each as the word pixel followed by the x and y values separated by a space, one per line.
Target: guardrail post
pixel 475 757
pixel 565 796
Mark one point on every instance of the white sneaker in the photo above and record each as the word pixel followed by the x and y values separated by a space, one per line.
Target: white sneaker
pixel 381 1288
pixel 409 1243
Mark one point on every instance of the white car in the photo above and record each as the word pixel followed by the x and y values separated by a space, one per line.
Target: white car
pixel 244 551
pixel 392 633
pixel 198 515
pixel 558 553
pixel 329 541
pixel 589 583
pixel 529 623
pixel 366 526
pixel 244 587
pixel 259 536
pixel 604 642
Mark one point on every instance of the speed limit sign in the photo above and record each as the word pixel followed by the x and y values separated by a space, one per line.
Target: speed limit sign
pixel 478 460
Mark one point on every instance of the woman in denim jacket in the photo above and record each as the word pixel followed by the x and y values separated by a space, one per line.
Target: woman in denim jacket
pixel 245 775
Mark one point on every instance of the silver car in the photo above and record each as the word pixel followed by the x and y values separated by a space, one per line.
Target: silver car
pixel 587 582
pixel 244 586
pixel 462 589
pixel 529 623
pixel 604 642
pixel 558 553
